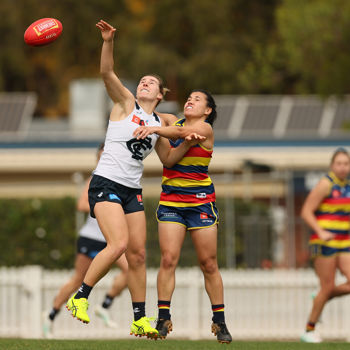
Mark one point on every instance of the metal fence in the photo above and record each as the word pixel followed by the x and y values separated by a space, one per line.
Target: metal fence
pixel 259 304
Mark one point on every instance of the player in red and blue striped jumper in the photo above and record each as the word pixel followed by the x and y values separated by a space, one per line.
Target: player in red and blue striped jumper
pixel 187 203
pixel 327 212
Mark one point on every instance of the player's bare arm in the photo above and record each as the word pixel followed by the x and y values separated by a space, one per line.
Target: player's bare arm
pixel 120 95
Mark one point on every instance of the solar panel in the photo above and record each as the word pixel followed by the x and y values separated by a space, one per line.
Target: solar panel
pixel 16 111
pixel 281 116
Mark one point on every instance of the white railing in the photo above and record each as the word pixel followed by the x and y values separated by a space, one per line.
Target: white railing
pixel 259 304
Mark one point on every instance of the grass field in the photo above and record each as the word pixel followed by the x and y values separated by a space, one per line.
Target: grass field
pixel 140 344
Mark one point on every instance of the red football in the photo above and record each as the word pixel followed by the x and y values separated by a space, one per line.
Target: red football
pixel 43 31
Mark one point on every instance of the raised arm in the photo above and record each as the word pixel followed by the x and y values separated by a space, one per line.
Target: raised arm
pixel 311 204
pixel 120 95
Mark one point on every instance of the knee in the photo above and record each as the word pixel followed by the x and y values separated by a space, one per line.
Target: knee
pixel 168 261
pixel 116 250
pixel 327 289
pixel 136 258
pixel 209 266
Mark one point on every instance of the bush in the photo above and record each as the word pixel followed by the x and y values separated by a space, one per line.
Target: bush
pixel 43 232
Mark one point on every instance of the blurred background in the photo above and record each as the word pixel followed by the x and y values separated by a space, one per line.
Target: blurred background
pixel 278 70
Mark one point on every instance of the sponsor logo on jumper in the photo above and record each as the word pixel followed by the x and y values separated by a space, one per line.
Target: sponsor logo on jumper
pixel 204 216
pixel 201 195
pixel 113 196
pixel 100 195
pixel 138 147
pixel 137 120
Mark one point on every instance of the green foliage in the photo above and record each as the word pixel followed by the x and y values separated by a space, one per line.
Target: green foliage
pixel 315 35
pixel 37 232
pixel 43 232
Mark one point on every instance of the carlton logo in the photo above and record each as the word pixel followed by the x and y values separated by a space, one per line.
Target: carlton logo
pixel 43 27
pixel 138 147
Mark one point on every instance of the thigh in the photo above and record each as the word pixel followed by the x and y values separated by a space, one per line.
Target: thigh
pixel 343 262
pixel 325 268
pixel 111 219
pixel 205 242
pixel 171 238
pixel 137 230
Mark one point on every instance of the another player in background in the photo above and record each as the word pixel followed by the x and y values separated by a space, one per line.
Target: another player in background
pixel 327 211
pixel 115 193
pixel 89 244
pixel 187 203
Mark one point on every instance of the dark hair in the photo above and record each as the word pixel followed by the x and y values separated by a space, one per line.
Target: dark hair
pixel 339 150
pixel 210 103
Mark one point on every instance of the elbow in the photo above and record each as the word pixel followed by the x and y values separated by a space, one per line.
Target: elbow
pixel 167 164
pixel 304 213
pixel 106 73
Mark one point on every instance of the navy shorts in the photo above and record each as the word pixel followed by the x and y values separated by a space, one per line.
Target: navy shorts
pixel 317 250
pixel 102 190
pixel 192 218
pixel 89 247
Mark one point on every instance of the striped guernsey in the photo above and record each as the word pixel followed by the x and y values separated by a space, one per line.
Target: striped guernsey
pixel 333 214
pixel 187 183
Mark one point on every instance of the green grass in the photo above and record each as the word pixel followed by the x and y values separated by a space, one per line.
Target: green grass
pixel 140 344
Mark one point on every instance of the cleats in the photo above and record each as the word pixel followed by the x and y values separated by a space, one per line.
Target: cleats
pixel 47 325
pixel 310 337
pixel 164 327
pixel 221 332
pixel 102 313
pixel 78 308
pixel 143 328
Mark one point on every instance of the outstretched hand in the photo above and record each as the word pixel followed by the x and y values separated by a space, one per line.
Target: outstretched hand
pixel 143 131
pixel 107 31
pixel 194 138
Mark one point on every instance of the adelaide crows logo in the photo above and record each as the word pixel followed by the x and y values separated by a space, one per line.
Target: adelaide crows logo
pixel 137 147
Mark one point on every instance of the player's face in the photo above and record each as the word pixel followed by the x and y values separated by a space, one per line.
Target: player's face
pixel 341 166
pixel 196 105
pixel 148 88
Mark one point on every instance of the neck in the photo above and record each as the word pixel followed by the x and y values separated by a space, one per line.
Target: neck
pixel 147 106
pixel 191 121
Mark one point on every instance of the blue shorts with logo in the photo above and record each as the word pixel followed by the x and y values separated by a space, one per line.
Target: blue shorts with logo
pixel 89 247
pixel 192 218
pixel 317 250
pixel 102 189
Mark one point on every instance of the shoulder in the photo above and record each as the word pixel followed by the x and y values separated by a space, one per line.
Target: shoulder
pixel 324 186
pixel 167 118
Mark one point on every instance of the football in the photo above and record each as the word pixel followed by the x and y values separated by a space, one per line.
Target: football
pixel 43 32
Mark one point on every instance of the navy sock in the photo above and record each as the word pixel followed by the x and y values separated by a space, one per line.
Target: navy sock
pixel 139 310
pixel 107 302
pixel 218 313
pixel 83 292
pixel 164 309
pixel 53 313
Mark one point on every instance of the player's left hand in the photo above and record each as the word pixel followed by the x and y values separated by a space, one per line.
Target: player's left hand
pixel 143 131
pixel 194 138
